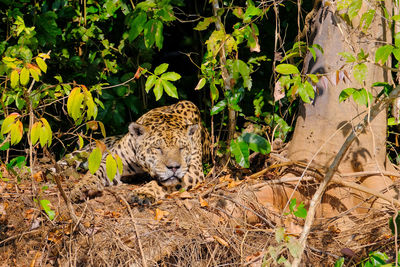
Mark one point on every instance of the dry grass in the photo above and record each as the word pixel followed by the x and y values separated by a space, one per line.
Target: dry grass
pixel 225 227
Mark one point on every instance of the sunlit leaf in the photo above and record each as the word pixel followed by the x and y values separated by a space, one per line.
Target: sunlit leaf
pixel 360 72
pixel 8 122
pixel 35 132
pixel 94 160
pixel 159 36
pixel 257 143
pixel 16 132
pixel 150 82
pixel 158 89
pixel 24 76
pixel 200 84
pixel 286 69
pixel 14 78
pixel 171 76
pixel 382 53
pixel 169 88
pixel 120 166
pixel 354 8
pixel 240 150
pixel 161 69
pixel 45 204
pixel 111 167
pixel 42 65
pixel 203 24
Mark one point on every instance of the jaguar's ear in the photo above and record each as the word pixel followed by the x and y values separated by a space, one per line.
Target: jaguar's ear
pixel 192 129
pixel 137 129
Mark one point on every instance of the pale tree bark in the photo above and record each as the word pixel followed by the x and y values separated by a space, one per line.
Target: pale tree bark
pixel 322 126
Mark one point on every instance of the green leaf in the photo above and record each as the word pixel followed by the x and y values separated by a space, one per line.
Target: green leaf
pixel 382 53
pixel 300 212
pixel 396 53
pixel 339 262
pixel 346 93
pixel 169 88
pixel 240 150
pixel 42 65
pixel 312 51
pixel 111 167
pixel 257 143
pixel 218 107
pixel 24 76
pixel 161 69
pixel 347 56
pixel 251 11
pixel 137 26
pixel 45 204
pixel 314 78
pixel 286 69
pixel 200 84
pixel 94 160
pixel 203 25
pixel 158 89
pixel 102 129
pixel 366 19
pixel 306 92
pixel 360 72
pixel 171 76
pixel 361 97
pixel 14 78
pixel 150 33
pixel 354 8
pixel 150 82
pixel 159 34
pixel 5 146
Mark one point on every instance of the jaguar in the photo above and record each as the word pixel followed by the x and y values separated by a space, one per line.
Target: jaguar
pixel 168 143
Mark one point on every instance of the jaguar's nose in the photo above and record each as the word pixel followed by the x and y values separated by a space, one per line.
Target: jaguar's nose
pixel 173 167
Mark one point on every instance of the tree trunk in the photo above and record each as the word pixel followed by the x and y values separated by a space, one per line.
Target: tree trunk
pixel 322 126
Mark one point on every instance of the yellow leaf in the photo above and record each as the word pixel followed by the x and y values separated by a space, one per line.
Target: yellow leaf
pixel 119 164
pixel 16 132
pixel 111 167
pixel 35 132
pixel 8 122
pixel 43 55
pixel 80 142
pixel 103 129
pixel 35 73
pixel 42 65
pixel 43 138
pixel 48 130
pixel 24 76
pixel 14 78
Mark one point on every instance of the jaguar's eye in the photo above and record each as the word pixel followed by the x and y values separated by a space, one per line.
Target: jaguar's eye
pixel 158 150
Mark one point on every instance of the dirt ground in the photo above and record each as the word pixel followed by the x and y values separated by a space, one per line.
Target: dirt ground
pixel 220 223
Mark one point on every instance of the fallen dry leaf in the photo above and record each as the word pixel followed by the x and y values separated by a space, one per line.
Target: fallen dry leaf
pixel 38 176
pixel 160 214
pixel 203 203
pixel 221 241
pixel 188 204
pixel 185 194
pixel 234 183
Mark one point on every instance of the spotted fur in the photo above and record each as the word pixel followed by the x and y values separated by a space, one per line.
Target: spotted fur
pixel 166 143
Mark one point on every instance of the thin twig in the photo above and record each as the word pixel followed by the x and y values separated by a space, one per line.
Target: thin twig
pixel 67 201
pixel 144 263
pixel 375 110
